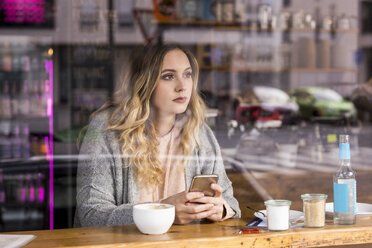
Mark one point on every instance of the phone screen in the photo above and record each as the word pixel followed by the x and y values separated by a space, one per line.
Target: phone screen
pixel 202 183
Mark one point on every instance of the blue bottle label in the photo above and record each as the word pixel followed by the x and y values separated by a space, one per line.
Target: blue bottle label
pixel 344 151
pixel 340 196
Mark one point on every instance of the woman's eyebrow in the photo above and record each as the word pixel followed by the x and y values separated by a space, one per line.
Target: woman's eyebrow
pixel 172 70
pixel 168 70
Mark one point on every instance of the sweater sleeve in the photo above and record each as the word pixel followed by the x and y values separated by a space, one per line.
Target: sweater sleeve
pixel 213 151
pixel 96 197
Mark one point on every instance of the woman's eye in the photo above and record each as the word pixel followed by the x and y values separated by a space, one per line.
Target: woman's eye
pixel 188 75
pixel 167 77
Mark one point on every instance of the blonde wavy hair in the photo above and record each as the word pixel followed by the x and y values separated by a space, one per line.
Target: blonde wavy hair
pixel 131 111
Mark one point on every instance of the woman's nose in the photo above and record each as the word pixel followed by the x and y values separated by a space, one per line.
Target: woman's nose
pixel 180 85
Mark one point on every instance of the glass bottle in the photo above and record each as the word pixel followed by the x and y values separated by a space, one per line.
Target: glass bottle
pixel 44 99
pixel 25 141
pixel 40 192
pixel 5 102
pixel 21 191
pixel 344 186
pixel 34 99
pixel 5 141
pixel 16 142
pixel 14 99
pixel 30 187
pixel 24 100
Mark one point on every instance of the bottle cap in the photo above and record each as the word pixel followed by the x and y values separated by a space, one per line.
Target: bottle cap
pixel 344 138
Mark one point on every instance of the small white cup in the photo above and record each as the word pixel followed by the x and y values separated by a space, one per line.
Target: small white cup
pixel 153 218
pixel 277 214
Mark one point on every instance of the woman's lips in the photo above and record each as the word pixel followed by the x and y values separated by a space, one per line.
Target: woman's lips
pixel 180 100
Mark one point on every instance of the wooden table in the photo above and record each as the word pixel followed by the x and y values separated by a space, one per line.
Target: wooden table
pixel 222 234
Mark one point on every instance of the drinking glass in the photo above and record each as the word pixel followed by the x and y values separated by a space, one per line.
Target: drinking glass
pixel 277 214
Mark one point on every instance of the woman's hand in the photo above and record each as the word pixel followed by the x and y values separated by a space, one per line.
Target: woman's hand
pixel 217 201
pixel 188 210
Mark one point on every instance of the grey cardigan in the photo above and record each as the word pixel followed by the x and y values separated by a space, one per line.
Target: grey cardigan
pixel 106 189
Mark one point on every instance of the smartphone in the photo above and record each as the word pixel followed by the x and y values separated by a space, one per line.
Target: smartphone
pixel 202 183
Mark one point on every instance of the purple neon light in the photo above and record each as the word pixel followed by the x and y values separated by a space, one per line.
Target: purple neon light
pixel 41 194
pixel 32 194
pixel 49 69
pixel 24 11
pixel 49 102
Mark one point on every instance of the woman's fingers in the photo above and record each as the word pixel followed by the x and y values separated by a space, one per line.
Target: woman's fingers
pixel 202 215
pixel 183 197
pixel 192 196
pixel 198 208
pixel 184 218
pixel 188 210
pixel 186 214
pixel 215 217
pixel 211 200
pixel 217 189
pixel 217 202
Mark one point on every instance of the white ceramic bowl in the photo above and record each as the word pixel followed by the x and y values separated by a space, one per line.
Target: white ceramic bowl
pixel 153 218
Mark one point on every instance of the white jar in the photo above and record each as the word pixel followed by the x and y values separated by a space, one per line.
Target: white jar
pixel 277 214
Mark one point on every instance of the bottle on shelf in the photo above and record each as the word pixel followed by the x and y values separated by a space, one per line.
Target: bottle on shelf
pixel 25 63
pixel 228 11
pixel 189 9
pixel 252 13
pixel 34 64
pixel 24 100
pixel 35 146
pixel 35 101
pixel 6 60
pixel 44 99
pixel 16 142
pixel 30 187
pixel 239 11
pixel 16 58
pixel 40 192
pixel 21 189
pixel 246 14
pixel 164 10
pixel 25 141
pixel 5 142
pixel 208 10
pixel 344 186
pixel 14 100
pixel 5 102
pixel 265 14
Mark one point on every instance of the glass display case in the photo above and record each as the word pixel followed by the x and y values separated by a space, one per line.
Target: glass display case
pixel 26 135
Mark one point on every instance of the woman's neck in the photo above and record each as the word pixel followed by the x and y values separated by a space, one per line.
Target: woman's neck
pixel 163 124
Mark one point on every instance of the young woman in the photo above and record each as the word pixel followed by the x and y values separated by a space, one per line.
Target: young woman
pixel 148 145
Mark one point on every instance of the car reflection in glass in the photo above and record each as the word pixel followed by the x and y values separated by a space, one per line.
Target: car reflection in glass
pixel 323 104
pixel 265 107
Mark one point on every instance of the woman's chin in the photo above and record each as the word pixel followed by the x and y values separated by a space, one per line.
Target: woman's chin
pixel 181 111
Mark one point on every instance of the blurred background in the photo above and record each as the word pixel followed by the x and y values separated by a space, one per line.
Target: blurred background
pixel 281 79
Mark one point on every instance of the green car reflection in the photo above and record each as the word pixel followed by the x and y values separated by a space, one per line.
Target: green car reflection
pixel 323 104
